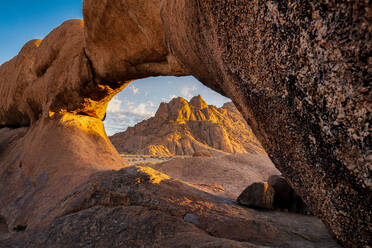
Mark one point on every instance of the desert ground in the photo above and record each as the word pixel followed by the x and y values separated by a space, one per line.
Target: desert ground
pixel 226 175
pixel 137 159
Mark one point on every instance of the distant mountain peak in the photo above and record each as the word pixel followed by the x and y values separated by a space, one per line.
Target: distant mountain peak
pixel 183 127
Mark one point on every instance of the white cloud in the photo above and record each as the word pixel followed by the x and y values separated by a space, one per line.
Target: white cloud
pixel 114 106
pixel 135 90
pixel 151 104
pixel 129 104
pixel 145 109
pixel 127 114
pixel 142 110
pixel 188 91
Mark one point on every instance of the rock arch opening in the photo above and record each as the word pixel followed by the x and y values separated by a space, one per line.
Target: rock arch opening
pixel 141 99
pixel 178 123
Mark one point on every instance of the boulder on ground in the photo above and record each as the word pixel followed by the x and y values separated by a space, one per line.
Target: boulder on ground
pixel 285 198
pixel 283 192
pixel 257 195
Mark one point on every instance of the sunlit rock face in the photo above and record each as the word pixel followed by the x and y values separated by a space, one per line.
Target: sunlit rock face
pixel 298 72
pixel 53 88
pixel 50 77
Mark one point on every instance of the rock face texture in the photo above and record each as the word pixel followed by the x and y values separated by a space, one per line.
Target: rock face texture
pixel 299 72
pixel 3 225
pixel 125 40
pixel 183 128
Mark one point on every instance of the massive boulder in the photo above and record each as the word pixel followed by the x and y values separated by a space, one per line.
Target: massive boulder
pixel 45 88
pixel 297 71
pixel 183 128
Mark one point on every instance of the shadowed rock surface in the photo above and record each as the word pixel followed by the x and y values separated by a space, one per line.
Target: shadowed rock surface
pixel 285 197
pixel 257 195
pixel 297 71
pixel 3 225
pixel 183 128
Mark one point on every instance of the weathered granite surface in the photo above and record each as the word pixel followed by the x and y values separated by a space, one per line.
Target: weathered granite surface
pixel 298 71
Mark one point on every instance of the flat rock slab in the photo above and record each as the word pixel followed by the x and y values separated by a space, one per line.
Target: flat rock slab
pixel 140 207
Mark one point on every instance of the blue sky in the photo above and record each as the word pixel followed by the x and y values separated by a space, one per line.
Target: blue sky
pixel 24 20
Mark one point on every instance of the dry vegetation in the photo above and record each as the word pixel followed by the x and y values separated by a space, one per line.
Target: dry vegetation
pixel 137 159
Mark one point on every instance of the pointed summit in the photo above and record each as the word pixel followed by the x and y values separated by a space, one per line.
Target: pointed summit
pixel 172 108
pixel 198 102
pixel 229 106
pixel 178 102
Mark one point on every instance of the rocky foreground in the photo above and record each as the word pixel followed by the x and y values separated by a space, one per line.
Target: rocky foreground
pixel 141 207
pixel 78 205
pixel 183 128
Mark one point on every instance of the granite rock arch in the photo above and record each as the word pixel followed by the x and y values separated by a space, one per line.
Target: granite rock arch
pixel 298 72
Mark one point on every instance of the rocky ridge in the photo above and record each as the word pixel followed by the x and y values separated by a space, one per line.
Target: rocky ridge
pixel 183 128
